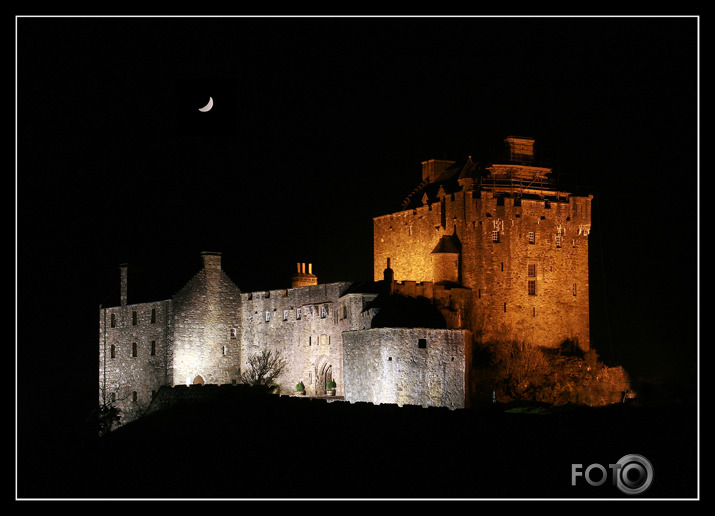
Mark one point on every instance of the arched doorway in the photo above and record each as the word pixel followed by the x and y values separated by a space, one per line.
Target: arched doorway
pixel 198 380
pixel 324 373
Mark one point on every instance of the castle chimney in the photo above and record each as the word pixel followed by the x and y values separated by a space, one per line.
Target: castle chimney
pixel 521 149
pixel 123 284
pixel 303 278
pixel 212 260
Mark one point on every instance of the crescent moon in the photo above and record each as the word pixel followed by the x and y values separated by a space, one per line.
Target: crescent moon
pixel 207 106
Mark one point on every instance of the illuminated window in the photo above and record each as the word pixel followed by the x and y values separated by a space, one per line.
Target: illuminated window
pixel 532 237
pixel 495 237
pixel 532 287
pixel 422 343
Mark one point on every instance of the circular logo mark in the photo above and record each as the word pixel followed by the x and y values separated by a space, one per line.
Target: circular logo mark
pixel 634 475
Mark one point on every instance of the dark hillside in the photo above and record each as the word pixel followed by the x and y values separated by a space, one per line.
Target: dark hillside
pixel 255 446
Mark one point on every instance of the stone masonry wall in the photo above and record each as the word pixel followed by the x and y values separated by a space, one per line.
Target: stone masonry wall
pixel 133 354
pixel 502 243
pixel 206 345
pixel 305 326
pixel 407 366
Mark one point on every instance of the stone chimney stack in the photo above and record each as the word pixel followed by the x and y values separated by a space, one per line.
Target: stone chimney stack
pixel 212 260
pixel 521 149
pixel 303 278
pixel 212 266
pixel 123 284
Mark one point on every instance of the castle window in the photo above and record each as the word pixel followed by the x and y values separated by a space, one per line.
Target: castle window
pixel 323 312
pixel 112 351
pixel 505 307
pixel 134 395
pixel 153 347
pixel 422 343
pixel 153 315
pixel 134 349
pixel 532 237
pixel 298 313
pixel 113 320
pixel 495 237
pixel 574 289
pixel 285 315
pixel 558 240
pixel 268 316
pixel 532 287
pixel 134 318
pixel 532 270
pixel 224 350
pixel 232 333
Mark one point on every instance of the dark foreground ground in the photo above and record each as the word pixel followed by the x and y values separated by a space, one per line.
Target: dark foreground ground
pixel 280 447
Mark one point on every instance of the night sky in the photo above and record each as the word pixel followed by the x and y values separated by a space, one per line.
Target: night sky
pixel 320 124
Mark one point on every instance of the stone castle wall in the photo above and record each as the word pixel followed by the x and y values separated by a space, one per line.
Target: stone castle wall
pixel 206 346
pixel 133 354
pixel 505 244
pixel 407 366
pixel 305 326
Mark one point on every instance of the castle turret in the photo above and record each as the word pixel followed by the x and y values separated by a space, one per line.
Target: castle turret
pixel 302 278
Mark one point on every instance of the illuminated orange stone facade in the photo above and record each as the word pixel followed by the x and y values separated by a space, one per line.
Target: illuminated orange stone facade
pixel 497 247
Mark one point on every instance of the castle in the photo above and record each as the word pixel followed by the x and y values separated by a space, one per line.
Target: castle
pixel 479 254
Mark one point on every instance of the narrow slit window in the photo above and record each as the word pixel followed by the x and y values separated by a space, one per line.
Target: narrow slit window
pixel 134 349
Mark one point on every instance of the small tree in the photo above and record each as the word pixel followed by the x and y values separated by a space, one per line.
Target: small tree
pixel 263 369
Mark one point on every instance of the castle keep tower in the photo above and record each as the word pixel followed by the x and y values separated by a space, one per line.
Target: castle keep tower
pixel 505 232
